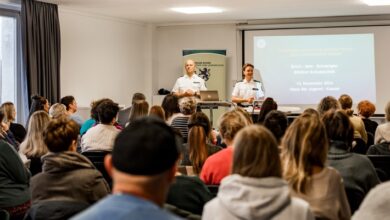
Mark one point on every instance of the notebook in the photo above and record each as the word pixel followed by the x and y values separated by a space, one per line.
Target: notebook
pixel 209 95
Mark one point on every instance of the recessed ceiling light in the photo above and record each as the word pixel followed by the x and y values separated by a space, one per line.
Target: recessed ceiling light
pixel 376 2
pixel 197 10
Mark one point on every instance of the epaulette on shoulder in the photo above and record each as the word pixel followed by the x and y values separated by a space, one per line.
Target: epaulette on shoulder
pixel 256 81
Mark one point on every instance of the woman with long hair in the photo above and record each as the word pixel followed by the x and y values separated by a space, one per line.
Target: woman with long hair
pixel 17 130
pixel 139 109
pixel 170 104
pixel 268 105
pixel 38 103
pixel 304 152
pixel 198 147
pixel 255 189
pixel 33 146
pixel 358 124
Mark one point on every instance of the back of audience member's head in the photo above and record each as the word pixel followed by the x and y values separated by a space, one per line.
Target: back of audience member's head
pixel 230 123
pixel 304 146
pixel 327 103
pixel 37 103
pixel 138 97
pixel 67 100
pixel 8 108
pixel 346 104
pixel 146 147
pixel 57 110
pixel 268 105
pixel 170 104
pixel 157 111
pixel 338 127
pixel 199 130
pixel 311 111
pixel 139 109
pixel 366 108
pixel 107 112
pixel 33 145
pixel 256 153
pixel 94 108
pixel 276 121
pixel 387 111
pixel 187 105
pixel 61 134
pixel 244 113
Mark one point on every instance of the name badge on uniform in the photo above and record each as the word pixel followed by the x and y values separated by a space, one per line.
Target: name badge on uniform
pixel 196 82
pixel 256 89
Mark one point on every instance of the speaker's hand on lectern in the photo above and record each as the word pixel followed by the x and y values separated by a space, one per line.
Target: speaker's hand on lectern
pixel 250 99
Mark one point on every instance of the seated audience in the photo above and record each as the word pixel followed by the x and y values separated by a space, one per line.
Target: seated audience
pixel 304 152
pixel 382 133
pixel 124 114
pixel 14 183
pixel 33 147
pixel 366 109
pixel 143 166
pixel 6 134
pixel 58 111
pixel 276 121
pixel 255 189
pixel 157 111
pixel 268 105
pixel 17 130
pixel 198 148
pixel 375 205
pixel 66 174
pixel 138 110
pixel 38 103
pixel 327 103
pixel 218 165
pixel 170 104
pixel 94 116
pixel 71 106
pixel 187 108
pixel 102 136
pixel 358 173
pixel 357 122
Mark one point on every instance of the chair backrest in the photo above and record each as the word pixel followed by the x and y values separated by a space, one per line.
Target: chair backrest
pixel 360 146
pixel 370 139
pixel 55 210
pixel 213 189
pixel 4 215
pixel 97 158
pixel 355 198
pixel 382 166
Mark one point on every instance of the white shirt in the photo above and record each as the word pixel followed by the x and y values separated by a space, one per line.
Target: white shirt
pixel 195 83
pixel 99 137
pixel 245 89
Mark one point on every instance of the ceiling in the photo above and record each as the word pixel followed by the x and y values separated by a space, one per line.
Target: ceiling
pixel 158 11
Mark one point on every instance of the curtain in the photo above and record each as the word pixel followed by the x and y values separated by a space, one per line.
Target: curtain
pixel 41 48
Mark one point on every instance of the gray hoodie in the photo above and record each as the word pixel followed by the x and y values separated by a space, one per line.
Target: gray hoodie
pixel 255 198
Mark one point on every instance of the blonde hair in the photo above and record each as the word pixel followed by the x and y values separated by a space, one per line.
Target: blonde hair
pixel 8 109
pixel 139 109
pixel 230 123
pixel 187 105
pixel 387 111
pixel 256 153
pixel 304 146
pixel 33 145
pixel 57 111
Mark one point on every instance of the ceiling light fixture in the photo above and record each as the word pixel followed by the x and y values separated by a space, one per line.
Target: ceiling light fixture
pixel 376 2
pixel 197 10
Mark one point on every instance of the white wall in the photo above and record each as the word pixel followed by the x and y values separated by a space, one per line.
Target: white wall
pixel 103 57
pixel 171 40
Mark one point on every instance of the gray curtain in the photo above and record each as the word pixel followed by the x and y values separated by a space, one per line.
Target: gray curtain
pixel 41 48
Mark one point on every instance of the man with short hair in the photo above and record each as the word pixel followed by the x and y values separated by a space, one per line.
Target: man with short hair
pixel 190 84
pixel 123 115
pixel 71 106
pixel 143 166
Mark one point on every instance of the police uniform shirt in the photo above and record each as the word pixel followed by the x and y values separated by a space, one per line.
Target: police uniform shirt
pixel 245 89
pixel 194 83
